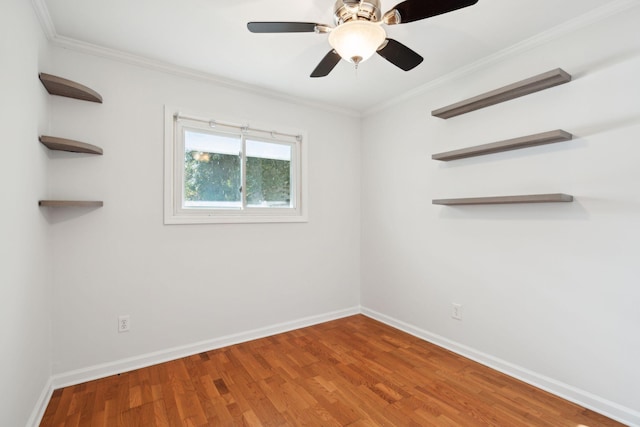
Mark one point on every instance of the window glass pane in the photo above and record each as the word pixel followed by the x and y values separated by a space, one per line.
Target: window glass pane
pixel 268 174
pixel 212 170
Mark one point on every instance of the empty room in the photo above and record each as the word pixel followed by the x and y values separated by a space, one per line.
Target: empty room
pixel 320 213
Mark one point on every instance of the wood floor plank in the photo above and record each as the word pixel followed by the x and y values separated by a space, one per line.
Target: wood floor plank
pixel 349 372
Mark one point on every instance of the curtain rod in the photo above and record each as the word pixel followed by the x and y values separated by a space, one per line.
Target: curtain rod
pixel 243 129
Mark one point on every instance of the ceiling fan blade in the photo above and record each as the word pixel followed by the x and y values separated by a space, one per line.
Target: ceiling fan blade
pixel 327 64
pixel 282 27
pixel 415 10
pixel 400 55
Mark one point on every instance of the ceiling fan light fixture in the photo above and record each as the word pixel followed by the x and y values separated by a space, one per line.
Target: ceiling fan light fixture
pixel 357 41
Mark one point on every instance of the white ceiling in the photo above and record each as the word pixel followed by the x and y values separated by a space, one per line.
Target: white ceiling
pixel 211 36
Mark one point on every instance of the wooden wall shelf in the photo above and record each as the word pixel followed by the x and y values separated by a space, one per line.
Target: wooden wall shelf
pixel 506 93
pixel 62 144
pixel 534 198
pixel 71 203
pixel 507 145
pixel 58 86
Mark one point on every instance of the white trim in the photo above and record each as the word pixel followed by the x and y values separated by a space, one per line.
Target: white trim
pixel 180 71
pixel 575 24
pixel 48 27
pixel 42 12
pixel 589 18
pixel 91 373
pixel 173 170
pixel 41 404
pixel 565 391
pixel 583 398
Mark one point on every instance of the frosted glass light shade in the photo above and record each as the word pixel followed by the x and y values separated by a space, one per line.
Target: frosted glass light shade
pixel 357 41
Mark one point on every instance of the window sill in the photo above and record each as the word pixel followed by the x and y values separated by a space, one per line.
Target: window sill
pixel 232 219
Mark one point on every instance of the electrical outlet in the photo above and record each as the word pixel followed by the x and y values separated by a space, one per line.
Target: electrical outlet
pixel 124 323
pixel 456 311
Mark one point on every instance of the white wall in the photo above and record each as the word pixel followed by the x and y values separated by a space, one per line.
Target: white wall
pixel 25 272
pixel 549 292
pixel 186 284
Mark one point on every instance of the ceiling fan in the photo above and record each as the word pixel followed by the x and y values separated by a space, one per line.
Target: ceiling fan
pixel 359 34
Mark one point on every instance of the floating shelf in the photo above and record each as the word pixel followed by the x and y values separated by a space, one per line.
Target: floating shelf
pixel 70 203
pixel 534 198
pixel 62 144
pixel 58 86
pixel 524 87
pixel 507 145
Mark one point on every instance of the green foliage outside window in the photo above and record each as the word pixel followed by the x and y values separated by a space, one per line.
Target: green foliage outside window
pixel 268 180
pixel 211 177
pixel 216 177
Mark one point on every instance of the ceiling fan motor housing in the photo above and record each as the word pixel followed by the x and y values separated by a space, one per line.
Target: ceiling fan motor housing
pixel 356 10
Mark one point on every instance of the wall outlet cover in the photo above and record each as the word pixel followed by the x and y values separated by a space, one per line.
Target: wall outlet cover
pixel 124 324
pixel 456 311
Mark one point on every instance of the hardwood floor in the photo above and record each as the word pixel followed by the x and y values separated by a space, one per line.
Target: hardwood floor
pixel 349 372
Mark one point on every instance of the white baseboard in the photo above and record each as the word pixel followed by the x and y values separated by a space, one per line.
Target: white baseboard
pixel 583 398
pixel 90 373
pixel 41 405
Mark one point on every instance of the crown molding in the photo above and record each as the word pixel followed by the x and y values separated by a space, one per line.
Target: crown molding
pixel 568 27
pixel 168 68
pixel 42 12
pixel 48 28
pixel 585 20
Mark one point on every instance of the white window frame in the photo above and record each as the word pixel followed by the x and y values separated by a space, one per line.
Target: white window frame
pixel 174 213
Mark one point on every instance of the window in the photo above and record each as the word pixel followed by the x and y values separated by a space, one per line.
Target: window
pixel 222 172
